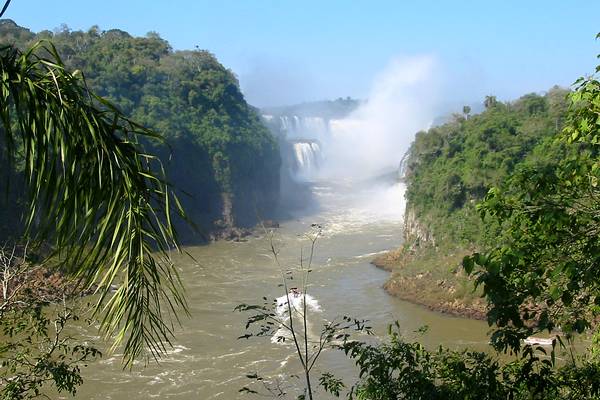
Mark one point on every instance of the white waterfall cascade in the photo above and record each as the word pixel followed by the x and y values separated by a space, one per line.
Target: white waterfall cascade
pixel 403 166
pixel 304 127
pixel 307 159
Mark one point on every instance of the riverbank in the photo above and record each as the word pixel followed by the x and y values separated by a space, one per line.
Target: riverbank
pixel 41 284
pixel 432 277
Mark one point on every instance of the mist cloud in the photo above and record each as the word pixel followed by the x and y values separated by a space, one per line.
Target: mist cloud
pixel 373 139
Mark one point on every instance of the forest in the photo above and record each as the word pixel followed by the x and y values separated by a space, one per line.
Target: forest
pixel 216 151
pixel 501 225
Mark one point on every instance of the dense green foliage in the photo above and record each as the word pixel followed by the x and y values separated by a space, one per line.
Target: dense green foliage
pixel 542 272
pixel 535 164
pixel 36 351
pixel 448 170
pixel 399 369
pixel 217 144
pixel 452 166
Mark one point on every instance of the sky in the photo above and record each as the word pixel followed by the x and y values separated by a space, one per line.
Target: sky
pixel 287 52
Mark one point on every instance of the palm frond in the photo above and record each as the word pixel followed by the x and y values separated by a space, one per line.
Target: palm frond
pixel 94 194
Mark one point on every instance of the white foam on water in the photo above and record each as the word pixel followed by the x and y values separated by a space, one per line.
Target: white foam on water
pixel 369 255
pixel 296 305
pixel 349 208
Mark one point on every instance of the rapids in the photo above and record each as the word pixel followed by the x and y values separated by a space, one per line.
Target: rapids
pixel 208 360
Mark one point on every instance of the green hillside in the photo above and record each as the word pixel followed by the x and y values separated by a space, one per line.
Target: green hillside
pixel 217 152
pixel 448 170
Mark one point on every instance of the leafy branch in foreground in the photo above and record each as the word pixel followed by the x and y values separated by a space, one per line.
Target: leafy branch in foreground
pixel 36 350
pixel 543 274
pixel 94 194
pixel 287 319
pixel 397 369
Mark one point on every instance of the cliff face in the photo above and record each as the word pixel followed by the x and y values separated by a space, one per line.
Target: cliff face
pixel 416 233
pixel 423 273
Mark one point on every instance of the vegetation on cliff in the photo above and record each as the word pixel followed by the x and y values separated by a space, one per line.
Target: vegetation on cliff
pixel 541 272
pixel 451 167
pixel 218 153
pixel 449 170
pixel 536 231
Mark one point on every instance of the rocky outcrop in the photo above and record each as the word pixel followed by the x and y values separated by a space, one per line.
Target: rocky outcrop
pixel 416 232
pixel 423 274
pixel 228 228
pixel 435 295
pixel 227 213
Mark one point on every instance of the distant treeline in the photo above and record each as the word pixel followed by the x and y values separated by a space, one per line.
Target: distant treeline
pixel 218 153
pixel 327 109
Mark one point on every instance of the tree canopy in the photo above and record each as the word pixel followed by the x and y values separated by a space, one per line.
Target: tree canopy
pixel 216 143
pixel 452 166
pixel 542 273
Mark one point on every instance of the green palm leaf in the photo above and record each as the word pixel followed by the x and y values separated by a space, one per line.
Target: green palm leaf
pixel 94 194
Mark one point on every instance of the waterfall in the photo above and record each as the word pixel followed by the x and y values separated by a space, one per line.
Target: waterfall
pixel 307 159
pixel 403 166
pixel 316 125
pixel 304 127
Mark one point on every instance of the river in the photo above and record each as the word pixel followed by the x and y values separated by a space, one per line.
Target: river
pixel 209 362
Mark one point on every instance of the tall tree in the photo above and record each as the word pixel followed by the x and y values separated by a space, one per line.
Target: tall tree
pixel 490 101
pixel 466 111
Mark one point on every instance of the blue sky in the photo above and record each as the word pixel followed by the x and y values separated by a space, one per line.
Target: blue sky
pixel 292 51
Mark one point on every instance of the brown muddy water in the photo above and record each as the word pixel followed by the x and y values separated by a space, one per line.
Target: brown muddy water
pixel 209 362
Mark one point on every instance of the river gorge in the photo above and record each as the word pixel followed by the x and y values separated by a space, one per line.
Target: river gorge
pixel 358 222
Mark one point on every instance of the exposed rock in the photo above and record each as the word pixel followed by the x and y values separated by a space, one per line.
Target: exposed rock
pixel 415 233
pixel 411 290
pixel 422 287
